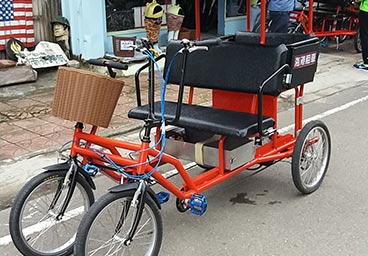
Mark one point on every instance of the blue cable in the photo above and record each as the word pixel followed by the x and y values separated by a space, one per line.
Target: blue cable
pixel 122 169
pixel 162 140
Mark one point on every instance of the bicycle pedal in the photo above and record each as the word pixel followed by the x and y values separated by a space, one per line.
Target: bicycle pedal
pixel 91 169
pixel 324 44
pixel 198 204
pixel 163 197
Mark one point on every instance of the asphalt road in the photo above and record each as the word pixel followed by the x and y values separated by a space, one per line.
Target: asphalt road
pixel 264 214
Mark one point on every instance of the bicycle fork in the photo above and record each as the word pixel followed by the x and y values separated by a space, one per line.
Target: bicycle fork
pixel 137 202
pixel 70 181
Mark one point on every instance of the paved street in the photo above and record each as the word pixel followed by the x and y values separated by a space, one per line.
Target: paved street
pixel 263 214
pixel 273 219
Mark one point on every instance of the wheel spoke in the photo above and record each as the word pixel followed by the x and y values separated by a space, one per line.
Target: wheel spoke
pixel 142 226
pixel 103 246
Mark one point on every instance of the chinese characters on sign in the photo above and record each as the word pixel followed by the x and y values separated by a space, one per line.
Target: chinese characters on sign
pixel 304 60
pixel 126 45
pixel 45 55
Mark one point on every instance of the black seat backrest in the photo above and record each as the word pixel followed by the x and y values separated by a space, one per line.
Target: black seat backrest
pixel 230 66
pixel 334 2
pixel 240 64
pixel 272 39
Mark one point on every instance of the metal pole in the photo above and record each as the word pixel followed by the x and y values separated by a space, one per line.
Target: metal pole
pixel 263 22
pixel 198 19
pixel 248 14
pixel 310 17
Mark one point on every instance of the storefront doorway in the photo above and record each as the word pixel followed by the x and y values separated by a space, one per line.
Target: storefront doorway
pixel 208 16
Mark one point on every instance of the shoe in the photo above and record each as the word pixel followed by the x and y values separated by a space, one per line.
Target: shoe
pixel 361 65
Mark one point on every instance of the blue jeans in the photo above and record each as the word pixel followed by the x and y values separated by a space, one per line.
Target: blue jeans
pixel 280 21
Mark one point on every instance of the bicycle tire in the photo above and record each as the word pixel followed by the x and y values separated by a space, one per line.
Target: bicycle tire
pixel 257 27
pixel 95 235
pixel 343 25
pixel 311 157
pixel 295 28
pixel 38 238
pixel 358 42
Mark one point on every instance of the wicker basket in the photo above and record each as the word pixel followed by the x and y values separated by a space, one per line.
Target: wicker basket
pixel 86 97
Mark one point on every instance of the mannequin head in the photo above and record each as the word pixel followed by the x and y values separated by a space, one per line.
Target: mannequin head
pixel 60 27
pixel 60 30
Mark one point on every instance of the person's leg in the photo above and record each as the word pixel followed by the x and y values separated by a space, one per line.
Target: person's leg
pixel 280 22
pixel 363 23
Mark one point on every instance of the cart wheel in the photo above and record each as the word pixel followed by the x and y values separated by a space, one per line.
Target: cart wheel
pixel 257 27
pixel 343 25
pixel 295 28
pixel 311 157
pixel 323 41
pixel 357 41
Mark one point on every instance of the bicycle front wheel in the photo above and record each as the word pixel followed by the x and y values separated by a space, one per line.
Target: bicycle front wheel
pixel 104 228
pixel 33 223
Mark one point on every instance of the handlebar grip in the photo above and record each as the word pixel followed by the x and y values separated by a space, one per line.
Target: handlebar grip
pixel 117 65
pixel 97 62
pixel 108 63
pixel 209 42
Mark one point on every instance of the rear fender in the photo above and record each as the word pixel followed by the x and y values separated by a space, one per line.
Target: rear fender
pixel 134 186
pixel 65 167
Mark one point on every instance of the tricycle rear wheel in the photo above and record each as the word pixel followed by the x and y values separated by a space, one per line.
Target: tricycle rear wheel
pixel 311 157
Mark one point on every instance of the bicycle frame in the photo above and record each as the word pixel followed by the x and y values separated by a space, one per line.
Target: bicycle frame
pixel 326 26
pixel 301 19
pixel 280 146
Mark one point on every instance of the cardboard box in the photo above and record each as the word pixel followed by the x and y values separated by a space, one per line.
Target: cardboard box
pixel 121 46
pixel 187 33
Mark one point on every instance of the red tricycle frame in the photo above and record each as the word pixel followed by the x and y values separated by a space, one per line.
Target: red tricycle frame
pixel 308 21
pixel 280 147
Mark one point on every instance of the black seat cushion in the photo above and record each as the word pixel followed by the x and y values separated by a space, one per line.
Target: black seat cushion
pixel 218 121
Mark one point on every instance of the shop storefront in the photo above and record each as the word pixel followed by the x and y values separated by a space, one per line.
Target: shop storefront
pixel 94 23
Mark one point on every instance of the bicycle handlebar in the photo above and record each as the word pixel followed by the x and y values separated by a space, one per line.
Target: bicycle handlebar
pixel 209 42
pixel 108 63
pixel 192 46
